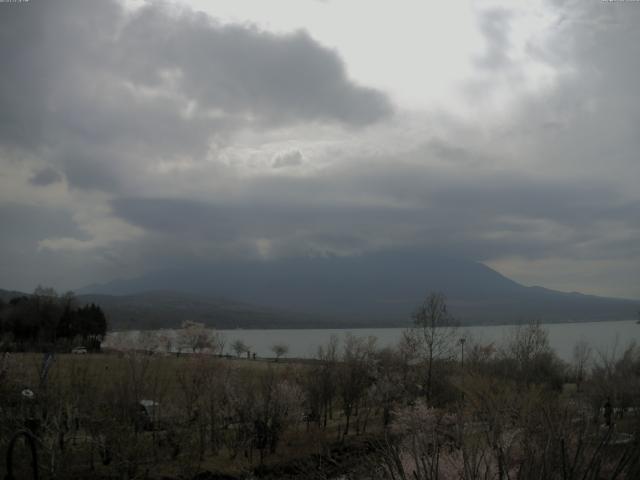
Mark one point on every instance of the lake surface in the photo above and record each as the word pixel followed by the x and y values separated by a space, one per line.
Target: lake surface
pixel 605 337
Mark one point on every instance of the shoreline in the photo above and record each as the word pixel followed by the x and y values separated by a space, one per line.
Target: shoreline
pixel 377 327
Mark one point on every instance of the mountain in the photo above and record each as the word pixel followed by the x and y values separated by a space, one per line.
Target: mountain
pixel 162 309
pixel 375 289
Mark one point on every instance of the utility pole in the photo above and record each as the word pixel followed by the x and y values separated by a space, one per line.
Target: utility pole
pixel 462 340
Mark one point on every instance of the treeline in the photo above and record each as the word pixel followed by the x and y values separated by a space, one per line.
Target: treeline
pixel 47 321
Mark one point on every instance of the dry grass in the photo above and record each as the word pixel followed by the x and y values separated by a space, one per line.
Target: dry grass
pixel 98 381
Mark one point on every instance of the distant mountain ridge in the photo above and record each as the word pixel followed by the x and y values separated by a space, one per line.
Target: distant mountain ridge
pixel 374 290
pixel 162 309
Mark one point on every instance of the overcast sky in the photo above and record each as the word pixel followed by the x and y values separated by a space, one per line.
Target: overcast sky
pixel 142 135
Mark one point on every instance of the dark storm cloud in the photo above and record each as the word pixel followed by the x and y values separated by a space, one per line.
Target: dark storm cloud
pixel 479 216
pixel 102 89
pixel 243 70
pixel 106 100
pixel 252 219
pixel 101 97
pixel 22 83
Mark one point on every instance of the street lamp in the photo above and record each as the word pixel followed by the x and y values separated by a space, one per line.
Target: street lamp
pixel 462 340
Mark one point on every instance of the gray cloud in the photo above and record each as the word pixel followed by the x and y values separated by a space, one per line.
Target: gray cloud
pixel 477 216
pixel 243 70
pixel 45 176
pixel 495 26
pixel 103 89
pixel 31 223
pixel 144 111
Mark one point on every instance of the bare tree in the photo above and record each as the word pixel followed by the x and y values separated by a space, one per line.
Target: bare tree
pixel 415 450
pixel 355 374
pixel 528 342
pixel 581 358
pixel 435 330
pixel 325 376
pixel 278 404
pixel 239 347
pixel 280 349
pixel 531 357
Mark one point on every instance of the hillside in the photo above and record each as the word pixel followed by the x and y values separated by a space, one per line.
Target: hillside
pixel 380 289
pixel 161 309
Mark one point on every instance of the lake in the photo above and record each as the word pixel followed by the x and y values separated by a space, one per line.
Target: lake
pixel 605 337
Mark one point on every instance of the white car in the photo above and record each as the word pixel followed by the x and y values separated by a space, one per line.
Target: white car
pixel 79 351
